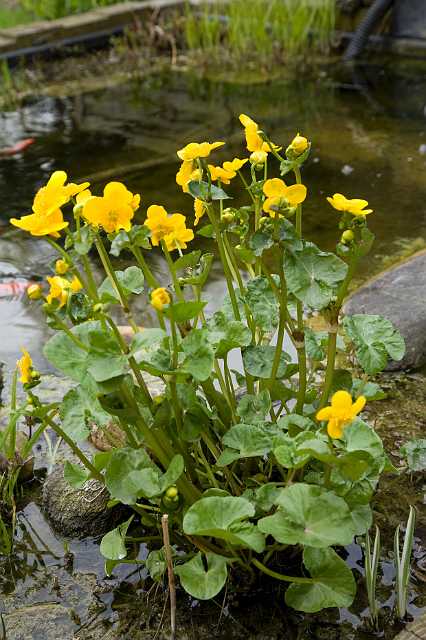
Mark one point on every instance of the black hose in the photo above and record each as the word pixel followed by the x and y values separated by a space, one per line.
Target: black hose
pixel 373 16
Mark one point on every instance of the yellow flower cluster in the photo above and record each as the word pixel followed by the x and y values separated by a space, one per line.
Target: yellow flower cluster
pixel 189 154
pixel 60 288
pixel 25 365
pixel 168 228
pixel 341 412
pixel 47 218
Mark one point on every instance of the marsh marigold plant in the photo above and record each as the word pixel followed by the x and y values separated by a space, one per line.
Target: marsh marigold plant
pixel 256 447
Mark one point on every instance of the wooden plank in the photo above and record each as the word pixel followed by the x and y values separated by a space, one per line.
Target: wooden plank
pixel 416 630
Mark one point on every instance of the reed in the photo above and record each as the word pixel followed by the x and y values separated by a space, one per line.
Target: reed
pixel 372 557
pixel 403 564
pixel 261 28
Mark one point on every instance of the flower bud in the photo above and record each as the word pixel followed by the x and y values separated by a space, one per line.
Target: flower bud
pixel 347 236
pixel 227 216
pixel 61 267
pixel 258 159
pixel 35 375
pixel 98 307
pixel 298 145
pixel 34 292
pixel 263 220
pixel 78 209
pixel 172 493
pixel 159 298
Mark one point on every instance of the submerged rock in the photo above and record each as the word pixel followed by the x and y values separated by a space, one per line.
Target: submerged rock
pixel 399 295
pixel 78 512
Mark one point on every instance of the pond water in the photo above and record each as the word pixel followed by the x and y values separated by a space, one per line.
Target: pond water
pixel 368 129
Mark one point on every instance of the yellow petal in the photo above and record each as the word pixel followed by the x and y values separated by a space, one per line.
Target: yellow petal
pixel 117 192
pixel 358 405
pixel 274 188
pixel 295 194
pixel 341 401
pixel 246 121
pixel 57 179
pixel 335 429
pixel 324 414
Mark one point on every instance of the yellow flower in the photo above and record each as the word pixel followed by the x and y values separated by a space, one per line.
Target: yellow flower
pixel 278 194
pixel 253 140
pixel 25 365
pixel 47 218
pixel 298 145
pixel 42 225
pixel 341 412
pixel 61 267
pixel 159 298
pixel 186 174
pixel 200 209
pixel 75 285
pixel 234 165
pixel 218 173
pixel 356 206
pixel 56 193
pixel 60 288
pixel 114 210
pixel 172 229
pixel 195 150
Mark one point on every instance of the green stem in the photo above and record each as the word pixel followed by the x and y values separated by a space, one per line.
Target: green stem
pixel 301 349
pixel 109 270
pixel 150 278
pixel 172 270
pixel 70 334
pixel 80 455
pixel 280 576
pixel 132 362
pixel 224 260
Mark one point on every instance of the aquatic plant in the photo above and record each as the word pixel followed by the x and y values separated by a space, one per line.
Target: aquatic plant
pixel 403 564
pixel 371 567
pixel 53 9
pixel 264 28
pixel 250 459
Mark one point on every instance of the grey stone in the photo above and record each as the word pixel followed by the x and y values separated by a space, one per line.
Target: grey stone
pixel 39 622
pixel 399 295
pixel 78 512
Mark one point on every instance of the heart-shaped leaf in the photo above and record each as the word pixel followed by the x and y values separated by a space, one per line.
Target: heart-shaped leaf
pixel 313 275
pixel 332 583
pixel 223 518
pixel 311 516
pixel 203 582
pixel 375 339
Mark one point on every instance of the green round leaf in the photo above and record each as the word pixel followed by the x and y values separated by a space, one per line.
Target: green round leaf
pixel 258 361
pixel 332 585
pixel 375 339
pixel 311 516
pixel 313 275
pixel 223 518
pixel 203 582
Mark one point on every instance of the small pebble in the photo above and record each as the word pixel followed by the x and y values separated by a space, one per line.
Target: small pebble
pixel 347 169
pixel 422 149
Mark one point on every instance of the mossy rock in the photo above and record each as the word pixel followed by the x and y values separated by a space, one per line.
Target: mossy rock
pixel 78 512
